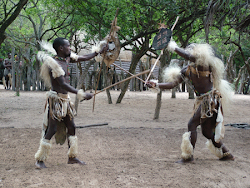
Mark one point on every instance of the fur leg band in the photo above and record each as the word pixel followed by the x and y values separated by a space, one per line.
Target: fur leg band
pixel 4 83
pixel 186 146
pixel 43 151
pixel 73 146
pixel 214 150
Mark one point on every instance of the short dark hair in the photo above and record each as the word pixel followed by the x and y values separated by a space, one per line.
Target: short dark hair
pixel 58 42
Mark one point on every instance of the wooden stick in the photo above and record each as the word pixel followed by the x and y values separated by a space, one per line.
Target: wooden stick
pixel 131 74
pixel 153 67
pixel 93 125
pixel 175 23
pixel 128 72
pixel 144 72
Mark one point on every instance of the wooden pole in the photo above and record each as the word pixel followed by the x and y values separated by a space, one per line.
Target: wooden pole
pixel 98 79
pixel 144 72
pixel 92 125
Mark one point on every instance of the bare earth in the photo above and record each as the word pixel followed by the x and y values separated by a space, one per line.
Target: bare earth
pixel 133 150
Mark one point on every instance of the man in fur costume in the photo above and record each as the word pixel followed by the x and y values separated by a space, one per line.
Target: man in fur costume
pixel 59 110
pixel 204 74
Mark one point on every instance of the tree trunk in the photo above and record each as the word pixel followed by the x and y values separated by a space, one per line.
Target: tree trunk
pixel 81 81
pixel 136 56
pixel 242 82
pixel 17 65
pixel 105 78
pixel 164 60
pixel 230 71
pixel 13 69
pixel 10 19
pixel 238 79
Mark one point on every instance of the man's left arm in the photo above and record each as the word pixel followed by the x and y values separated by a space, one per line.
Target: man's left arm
pixel 77 58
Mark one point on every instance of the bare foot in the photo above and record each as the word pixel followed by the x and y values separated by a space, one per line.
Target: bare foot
pixel 182 161
pixel 75 160
pixel 40 164
pixel 227 156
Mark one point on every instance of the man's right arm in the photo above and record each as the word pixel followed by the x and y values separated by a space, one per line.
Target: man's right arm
pixel 170 85
pixel 67 87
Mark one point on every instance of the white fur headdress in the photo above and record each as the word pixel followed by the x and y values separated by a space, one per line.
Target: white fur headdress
pixel 205 56
pixel 48 47
pixel 48 63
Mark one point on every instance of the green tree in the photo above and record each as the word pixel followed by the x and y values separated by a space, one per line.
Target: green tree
pixel 9 10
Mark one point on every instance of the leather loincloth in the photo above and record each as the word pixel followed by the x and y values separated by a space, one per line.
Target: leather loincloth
pixel 58 106
pixel 210 103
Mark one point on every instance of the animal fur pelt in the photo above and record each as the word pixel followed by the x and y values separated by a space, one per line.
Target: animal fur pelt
pixel 73 146
pixel 216 151
pixel 186 146
pixel 49 63
pixel 114 46
pixel 48 47
pixel 43 151
pixel 171 73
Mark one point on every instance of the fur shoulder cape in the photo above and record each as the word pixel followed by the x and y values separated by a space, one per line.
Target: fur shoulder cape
pixel 49 63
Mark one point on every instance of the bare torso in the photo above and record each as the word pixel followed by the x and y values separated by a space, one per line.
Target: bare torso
pixel 201 79
pixel 58 83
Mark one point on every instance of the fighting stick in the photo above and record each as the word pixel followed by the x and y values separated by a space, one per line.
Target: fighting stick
pixel 128 72
pixel 134 76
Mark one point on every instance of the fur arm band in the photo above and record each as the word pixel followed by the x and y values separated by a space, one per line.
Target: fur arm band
pixel 81 95
pixel 172 45
pixel 74 56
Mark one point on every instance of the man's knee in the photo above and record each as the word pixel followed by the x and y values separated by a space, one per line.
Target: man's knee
pixel 207 134
pixel 71 130
pixel 191 127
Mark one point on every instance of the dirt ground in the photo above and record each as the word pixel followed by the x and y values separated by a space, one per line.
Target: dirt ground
pixel 133 150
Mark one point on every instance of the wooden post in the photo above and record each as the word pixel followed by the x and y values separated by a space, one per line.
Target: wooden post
pixel 13 69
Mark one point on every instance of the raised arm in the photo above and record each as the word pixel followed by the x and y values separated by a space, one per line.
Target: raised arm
pixel 173 47
pixel 88 56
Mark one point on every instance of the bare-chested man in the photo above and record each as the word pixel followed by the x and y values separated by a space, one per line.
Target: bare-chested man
pixel 59 111
pixel 8 72
pixel 205 74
